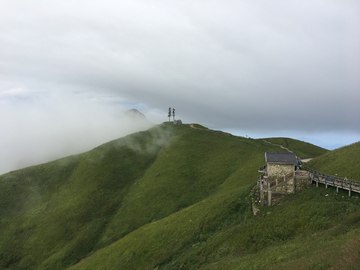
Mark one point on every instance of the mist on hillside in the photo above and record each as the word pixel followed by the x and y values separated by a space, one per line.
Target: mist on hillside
pixel 49 127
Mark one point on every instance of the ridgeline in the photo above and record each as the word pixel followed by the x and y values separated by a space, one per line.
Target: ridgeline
pixel 175 197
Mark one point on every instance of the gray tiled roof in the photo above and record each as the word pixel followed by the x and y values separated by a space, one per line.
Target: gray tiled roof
pixel 286 158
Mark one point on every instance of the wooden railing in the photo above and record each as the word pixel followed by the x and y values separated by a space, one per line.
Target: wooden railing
pixel 348 184
pixel 265 185
pixel 317 176
pixel 281 179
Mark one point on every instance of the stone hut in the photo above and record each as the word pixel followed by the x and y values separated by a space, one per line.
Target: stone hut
pixel 279 164
pixel 279 177
pixel 177 122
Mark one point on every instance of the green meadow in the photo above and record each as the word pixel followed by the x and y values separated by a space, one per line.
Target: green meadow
pixel 176 197
pixel 300 148
pixel 343 162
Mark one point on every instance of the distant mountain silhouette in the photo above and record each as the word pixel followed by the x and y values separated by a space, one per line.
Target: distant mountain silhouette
pixel 135 114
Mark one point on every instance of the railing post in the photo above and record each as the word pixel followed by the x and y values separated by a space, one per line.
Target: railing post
pixel 269 197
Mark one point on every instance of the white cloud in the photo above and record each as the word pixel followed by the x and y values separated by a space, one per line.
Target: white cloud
pixel 38 127
pixel 290 67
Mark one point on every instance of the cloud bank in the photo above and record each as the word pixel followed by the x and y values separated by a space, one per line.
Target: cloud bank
pixel 39 127
pixel 256 68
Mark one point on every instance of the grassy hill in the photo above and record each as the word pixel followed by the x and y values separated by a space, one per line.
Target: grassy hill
pixel 172 197
pixel 300 148
pixel 343 161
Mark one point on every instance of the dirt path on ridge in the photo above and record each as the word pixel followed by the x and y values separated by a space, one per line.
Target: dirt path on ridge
pixel 287 149
pixel 192 126
pixel 210 130
pixel 283 147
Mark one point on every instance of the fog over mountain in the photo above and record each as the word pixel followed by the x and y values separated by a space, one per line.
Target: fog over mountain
pixel 256 68
pixel 41 127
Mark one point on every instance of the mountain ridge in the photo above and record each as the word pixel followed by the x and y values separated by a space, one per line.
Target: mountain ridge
pixel 173 185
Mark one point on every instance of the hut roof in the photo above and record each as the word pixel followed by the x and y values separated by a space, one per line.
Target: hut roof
pixel 285 158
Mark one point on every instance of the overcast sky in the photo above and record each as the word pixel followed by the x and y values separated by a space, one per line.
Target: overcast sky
pixel 69 69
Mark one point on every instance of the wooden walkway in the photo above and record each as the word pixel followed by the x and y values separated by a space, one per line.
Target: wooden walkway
pixel 334 181
pixel 315 176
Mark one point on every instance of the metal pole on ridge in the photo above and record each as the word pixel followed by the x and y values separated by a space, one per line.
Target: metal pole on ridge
pixel 169 115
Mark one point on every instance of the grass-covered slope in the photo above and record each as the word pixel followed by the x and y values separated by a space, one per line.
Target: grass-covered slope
pixel 314 229
pixel 306 231
pixel 300 148
pixel 172 197
pixel 343 161
pixel 54 214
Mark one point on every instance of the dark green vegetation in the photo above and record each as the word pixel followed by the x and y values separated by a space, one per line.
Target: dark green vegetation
pixel 172 197
pixel 343 161
pixel 301 149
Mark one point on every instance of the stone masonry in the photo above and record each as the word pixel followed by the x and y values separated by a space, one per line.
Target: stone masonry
pixel 276 170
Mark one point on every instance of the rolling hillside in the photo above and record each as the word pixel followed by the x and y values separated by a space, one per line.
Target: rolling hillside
pixel 343 161
pixel 172 197
pixel 300 148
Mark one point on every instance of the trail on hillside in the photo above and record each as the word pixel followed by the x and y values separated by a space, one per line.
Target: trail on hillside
pixel 210 130
pixel 287 149
pixel 283 147
pixel 279 145
pixel 192 126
